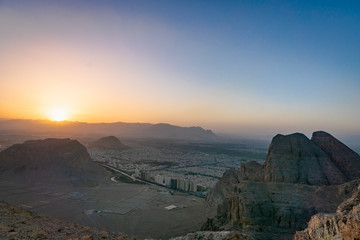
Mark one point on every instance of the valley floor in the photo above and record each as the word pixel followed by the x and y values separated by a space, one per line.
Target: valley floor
pixel 134 209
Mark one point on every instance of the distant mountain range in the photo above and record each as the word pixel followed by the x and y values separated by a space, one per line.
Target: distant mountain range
pixel 120 129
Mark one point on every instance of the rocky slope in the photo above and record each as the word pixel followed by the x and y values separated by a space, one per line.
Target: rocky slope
pixel 210 235
pixel 50 160
pixel 18 223
pixel 343 157
pixel 299 179
pixel 108 143
pixel 344 224
pixel 296 159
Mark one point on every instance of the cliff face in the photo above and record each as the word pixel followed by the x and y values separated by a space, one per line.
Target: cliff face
pixel 50 160
pixel 344 224
pixel 296 159
pixel 299 179
pixel 343 157
pixel 224 187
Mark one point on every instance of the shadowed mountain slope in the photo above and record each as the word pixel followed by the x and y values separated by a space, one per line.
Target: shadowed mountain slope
pixel 296 159
pixel 60 160
pixel 343 157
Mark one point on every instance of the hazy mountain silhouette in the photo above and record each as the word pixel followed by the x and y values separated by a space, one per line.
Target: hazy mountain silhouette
pixel 140 130
pixel 110 142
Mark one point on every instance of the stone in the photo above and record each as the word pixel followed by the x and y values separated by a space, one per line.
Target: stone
pixel 343 157
pixel 344 224
pixel 296 159
pixel 272 201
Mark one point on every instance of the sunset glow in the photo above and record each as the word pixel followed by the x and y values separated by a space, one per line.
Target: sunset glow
pixel 58 114
pixel 156 62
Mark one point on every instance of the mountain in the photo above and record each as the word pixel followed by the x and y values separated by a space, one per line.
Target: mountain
pixel 163 130
pixel 51 160
pixel 343 157
pixel 108 143
pixel 300 177
pixel 296 159
pixel 139 130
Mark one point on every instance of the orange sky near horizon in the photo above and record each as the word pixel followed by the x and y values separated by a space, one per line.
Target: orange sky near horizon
pixel 115 61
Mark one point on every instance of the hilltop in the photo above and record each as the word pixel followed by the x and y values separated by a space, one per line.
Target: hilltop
pixel 108 143
pixel 51 160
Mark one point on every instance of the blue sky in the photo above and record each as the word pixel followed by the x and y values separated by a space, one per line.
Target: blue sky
pixel 232 66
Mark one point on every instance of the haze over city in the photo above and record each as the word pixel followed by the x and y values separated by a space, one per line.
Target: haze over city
pixel 244 67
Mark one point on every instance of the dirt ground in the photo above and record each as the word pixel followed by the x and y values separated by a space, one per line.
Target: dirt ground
pixel 133 209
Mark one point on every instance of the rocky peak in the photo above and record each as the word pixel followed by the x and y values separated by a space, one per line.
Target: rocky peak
pixel 109 142
pixel 347 161
pixel 296 159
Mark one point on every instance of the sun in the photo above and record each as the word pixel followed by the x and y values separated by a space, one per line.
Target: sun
pixel 58 114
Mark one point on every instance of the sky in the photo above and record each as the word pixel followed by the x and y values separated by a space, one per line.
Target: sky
pixel 238 67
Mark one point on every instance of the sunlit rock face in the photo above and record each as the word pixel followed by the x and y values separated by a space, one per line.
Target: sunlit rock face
pixel 50 160
pixel 300 177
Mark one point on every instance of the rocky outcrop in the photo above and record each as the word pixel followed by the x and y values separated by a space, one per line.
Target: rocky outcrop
pixel 296 159
pixel 343 157
pixel 108 143
pixel 50 160
pixel 220 235
pixel 18 223
pixel 224 187
pixel 344 224
pixel 299 179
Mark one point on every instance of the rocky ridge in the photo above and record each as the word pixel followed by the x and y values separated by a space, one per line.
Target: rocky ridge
pixel 299 179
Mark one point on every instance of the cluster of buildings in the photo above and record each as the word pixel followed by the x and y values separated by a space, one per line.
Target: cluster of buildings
pixel 171 182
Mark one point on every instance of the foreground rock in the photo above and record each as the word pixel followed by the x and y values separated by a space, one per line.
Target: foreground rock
pixel 17 223
pixel 299 179
pixel 51 161
pixel 344 224
pixel 220 235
